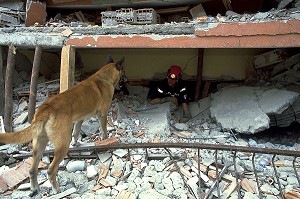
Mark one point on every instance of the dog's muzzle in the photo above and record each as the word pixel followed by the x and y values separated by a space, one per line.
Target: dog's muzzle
pixel 122 81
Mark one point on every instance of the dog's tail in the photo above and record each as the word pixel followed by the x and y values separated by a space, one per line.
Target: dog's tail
pixel 23 136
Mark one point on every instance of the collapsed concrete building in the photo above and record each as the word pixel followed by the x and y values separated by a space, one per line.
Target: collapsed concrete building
pixel 224 107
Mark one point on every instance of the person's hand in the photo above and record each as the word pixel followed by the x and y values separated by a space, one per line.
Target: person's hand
pixel 186 117
pixel 169 99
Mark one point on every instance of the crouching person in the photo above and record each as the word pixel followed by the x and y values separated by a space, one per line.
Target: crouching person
pixel 172 89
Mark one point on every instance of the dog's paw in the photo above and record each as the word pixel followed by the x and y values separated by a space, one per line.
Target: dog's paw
pixel 33 193
pixel 103 136
pixel 76 144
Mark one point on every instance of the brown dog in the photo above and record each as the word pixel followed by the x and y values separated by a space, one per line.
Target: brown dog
pixel 53 120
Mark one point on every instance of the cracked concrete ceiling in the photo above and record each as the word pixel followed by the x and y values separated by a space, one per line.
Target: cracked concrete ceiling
pixel 212 7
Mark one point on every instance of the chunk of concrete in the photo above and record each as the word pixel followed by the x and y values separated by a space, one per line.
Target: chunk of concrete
pixel 236 108
pixel 197 11
pixel 157 117
pixel 153 193
pixel 275 101
pixel 246 109
pixel 77 165
pixel 270 58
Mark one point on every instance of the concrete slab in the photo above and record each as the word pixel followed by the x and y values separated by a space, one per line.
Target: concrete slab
pixel 236 108
pixel 155 118
pixel 275 101
pixel 158 119
pixel 245 109
pixel 200 107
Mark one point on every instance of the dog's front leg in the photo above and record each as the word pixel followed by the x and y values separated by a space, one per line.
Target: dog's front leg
pixel 102 125
pixel 76 131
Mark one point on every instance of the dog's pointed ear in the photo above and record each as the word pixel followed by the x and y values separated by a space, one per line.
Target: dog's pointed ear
pixel 120 64
pixel 109 59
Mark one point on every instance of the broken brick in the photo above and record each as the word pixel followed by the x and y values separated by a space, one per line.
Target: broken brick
pixel 16 175
pixel 3 185
pixel 109 141
pixel 36 13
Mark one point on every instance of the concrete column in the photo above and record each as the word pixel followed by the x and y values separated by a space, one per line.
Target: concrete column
pixel 67 68
pixel 33 83
pixel 11 62
pixel 2 91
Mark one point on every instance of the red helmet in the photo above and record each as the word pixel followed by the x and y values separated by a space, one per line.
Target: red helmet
pixel 174 72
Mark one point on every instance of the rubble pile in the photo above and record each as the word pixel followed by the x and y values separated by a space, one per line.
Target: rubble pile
pixel 136 173
pixel 12 14
pixel 148 16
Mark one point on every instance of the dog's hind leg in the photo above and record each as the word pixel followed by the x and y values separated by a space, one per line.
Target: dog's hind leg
pixel 76 131
pixel 61 146
pixel 103 125
pixel 39 145
pixel 59 154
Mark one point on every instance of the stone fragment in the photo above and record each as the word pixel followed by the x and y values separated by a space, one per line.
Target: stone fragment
pixel 77 165
pixel 103 157
pixel 250 195
pixel 153 193
pixel 149 171
pixel 120 152
pixel 177 180
pixel 158 165
pixel 63 194
pixel 91 171
pixel 21 118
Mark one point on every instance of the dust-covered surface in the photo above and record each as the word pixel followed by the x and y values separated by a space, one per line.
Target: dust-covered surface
pixel 112 173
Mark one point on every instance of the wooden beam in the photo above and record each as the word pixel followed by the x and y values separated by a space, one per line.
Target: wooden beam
pixel 67 68
pixel 259 5
pixel 199 73
pixel 1 82
pixel 11 61
pixel 205 90
pixel 34 81
pixel 227 4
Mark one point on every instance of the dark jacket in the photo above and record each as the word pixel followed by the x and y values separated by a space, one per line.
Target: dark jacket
pixel 164 90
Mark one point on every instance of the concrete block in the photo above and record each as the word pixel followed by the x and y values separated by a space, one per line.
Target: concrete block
pixel 237 108
pixel 9 19
pixel 286 65
pixel 13 5
pixel 275 101
pixel 270 58
pixel 77 165
pixel 197 11
pixel 21 119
